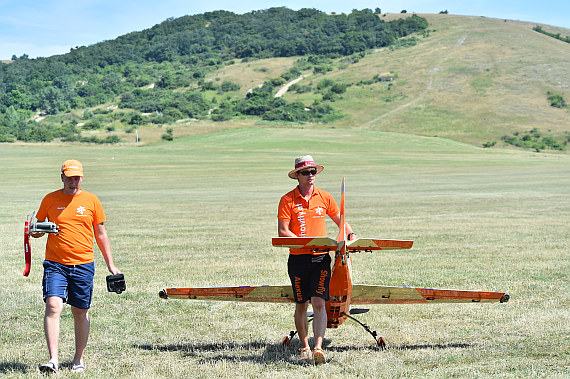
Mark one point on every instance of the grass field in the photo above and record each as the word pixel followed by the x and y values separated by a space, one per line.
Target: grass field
pixel 200 211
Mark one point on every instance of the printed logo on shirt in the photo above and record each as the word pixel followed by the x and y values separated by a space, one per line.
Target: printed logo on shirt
pixel 301 219
pixel 80 210
pixel 319 211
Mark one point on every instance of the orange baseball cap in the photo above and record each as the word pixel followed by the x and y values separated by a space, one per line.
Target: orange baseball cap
pixel 71 167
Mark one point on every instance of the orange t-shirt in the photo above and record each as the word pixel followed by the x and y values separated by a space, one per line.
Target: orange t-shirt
pixel 307 218
pixel 75 217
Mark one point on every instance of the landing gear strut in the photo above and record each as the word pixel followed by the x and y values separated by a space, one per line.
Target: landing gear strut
pixel 380 342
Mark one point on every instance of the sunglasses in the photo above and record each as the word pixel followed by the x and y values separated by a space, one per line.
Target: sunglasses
pixel 308 172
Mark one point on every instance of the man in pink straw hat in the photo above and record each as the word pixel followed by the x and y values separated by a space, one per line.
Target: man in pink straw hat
pixel 302 213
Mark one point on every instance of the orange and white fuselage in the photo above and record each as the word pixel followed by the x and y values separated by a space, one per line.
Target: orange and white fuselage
pixel 340 290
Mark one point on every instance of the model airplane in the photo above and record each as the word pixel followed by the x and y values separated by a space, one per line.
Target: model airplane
pixel 342 292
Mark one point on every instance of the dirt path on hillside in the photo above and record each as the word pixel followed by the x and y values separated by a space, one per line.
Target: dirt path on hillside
pixel 429 87
pixel 283 90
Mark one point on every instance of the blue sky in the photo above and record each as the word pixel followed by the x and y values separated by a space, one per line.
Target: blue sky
pixel 41 28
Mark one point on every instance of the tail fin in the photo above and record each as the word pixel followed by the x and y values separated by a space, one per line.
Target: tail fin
pixel 342 228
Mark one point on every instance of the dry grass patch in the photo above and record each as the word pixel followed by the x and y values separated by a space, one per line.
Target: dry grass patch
pixel 200 211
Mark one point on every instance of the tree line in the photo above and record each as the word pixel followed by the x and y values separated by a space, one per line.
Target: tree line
pixel 558 36
pixel 175 58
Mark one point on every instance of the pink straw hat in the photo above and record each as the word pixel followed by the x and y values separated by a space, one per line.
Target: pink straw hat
pixel 304 162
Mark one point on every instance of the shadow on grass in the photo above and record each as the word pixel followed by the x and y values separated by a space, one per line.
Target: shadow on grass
pixel 433 346
pixel 7 367
pixel 16 367
pixel 231 351
pixel 250 352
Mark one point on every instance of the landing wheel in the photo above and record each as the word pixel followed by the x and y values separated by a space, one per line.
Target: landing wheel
pixel 287 339
pixel 381 343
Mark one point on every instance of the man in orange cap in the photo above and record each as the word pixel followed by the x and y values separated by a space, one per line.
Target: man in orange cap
pixel 302 213
pixel 69 266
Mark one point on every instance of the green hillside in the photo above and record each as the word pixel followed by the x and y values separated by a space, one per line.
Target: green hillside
pixel 472 79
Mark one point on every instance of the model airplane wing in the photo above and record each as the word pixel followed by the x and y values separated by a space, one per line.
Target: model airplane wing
pixel 328 244
pixel 369 244
pixel 267 294
pixel 309 243
pixel 364 294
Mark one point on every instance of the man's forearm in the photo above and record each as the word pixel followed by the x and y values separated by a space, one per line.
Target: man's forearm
pixel 105 246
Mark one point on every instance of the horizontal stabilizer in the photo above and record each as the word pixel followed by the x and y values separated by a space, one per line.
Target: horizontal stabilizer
pixel 328 244
pixel 268 294
pixel 358 311
pixel 363 294
pixel 310 243
pixel 367 244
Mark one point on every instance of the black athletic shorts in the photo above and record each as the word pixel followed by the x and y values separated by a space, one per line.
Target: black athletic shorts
pixel 310 276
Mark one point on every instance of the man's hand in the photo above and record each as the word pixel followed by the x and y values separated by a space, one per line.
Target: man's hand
pixel 283 229
pixel 37 234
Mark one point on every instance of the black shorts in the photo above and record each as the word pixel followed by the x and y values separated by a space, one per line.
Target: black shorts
pixel 310 276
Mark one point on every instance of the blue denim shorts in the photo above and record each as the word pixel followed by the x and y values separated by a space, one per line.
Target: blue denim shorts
pixel 74 283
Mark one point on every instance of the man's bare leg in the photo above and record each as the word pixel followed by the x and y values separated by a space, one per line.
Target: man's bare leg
pixel 301 323
pixel 54 306
pixel 82 325
pixel 319 321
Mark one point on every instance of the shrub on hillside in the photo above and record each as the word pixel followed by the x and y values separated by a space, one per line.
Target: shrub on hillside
pixel 558 36
pixel 322 69
pixel 324 83
pixel 168 136
pixel 330 96
pixel 556 100
pixel 4 137
pixel 533 139
pixel 93 124
pixel 338 88
pixel 276 82
pixel 67 133
pixel 228 86
pixel 300 89
pixel 95 139
pixel 35 132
